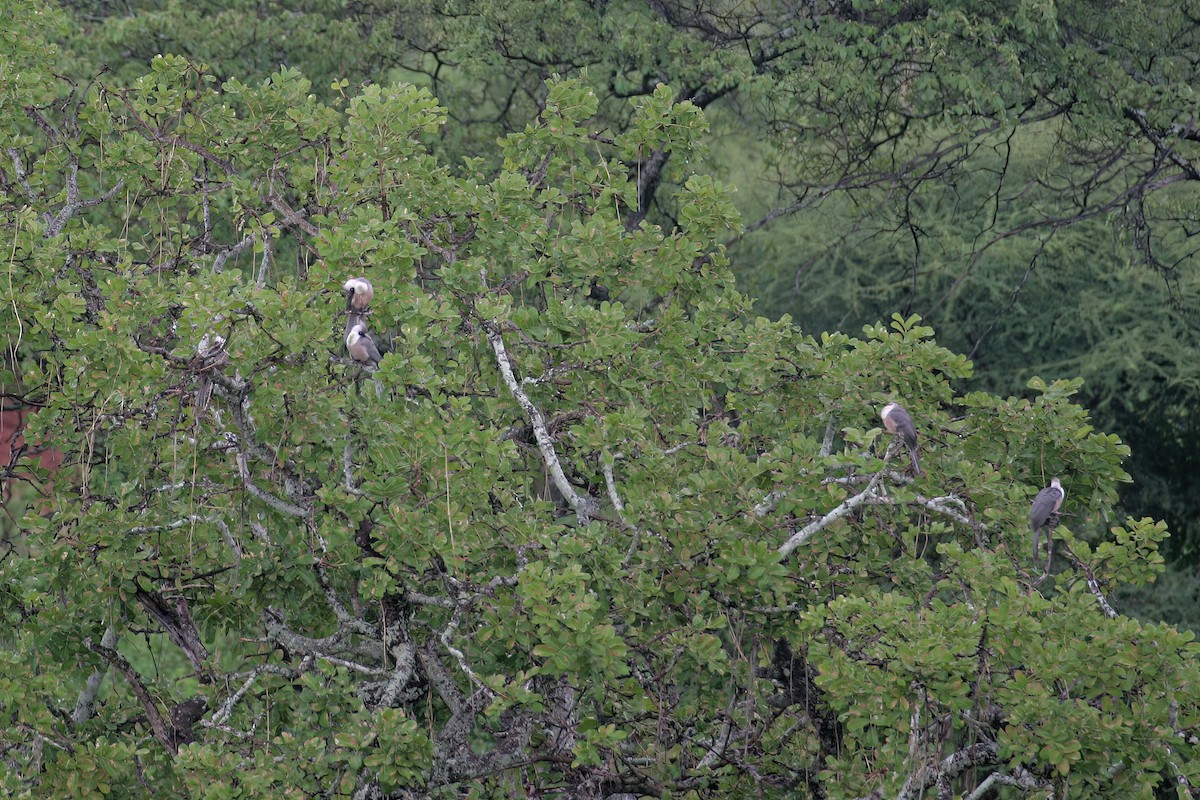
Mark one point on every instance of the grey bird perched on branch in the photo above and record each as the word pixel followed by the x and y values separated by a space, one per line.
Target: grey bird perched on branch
pixel 1045 507
pixel 897 420
pixel 359 292
pixel 361 346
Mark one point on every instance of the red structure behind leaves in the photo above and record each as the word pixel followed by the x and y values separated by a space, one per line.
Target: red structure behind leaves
pixel 15 452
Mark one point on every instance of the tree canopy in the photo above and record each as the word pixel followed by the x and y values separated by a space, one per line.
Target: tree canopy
pixel 989 166
pixel 592 528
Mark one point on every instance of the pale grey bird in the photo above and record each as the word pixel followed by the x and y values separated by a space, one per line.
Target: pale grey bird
pixel 1045 506
pixel 361 346
pixel 211 356
pixel 897 420
pixel 359 292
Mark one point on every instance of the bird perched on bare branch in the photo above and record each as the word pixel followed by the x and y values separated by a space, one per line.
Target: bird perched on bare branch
pixel 897 420
pixel 1045 508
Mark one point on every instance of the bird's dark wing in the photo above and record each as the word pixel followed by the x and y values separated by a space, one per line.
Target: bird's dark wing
pixel 904 425
pixel 1045 504
pixel 372 350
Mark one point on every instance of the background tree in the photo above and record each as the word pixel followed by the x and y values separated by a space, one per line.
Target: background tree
pixel 606 532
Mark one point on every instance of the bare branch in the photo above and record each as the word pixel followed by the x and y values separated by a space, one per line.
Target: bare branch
pixel 768 503
pixel 405 657
pixel 177 623
pixel 162 731
pixel 1093 583
pixel 74 204
pixel 841 510
pixel 445 635
pixel 924 776
pixel 942 505
pixel 293 216
pixel 19 168
pixel 1022 780
pixel 830 431
pixel 228 251
pixel 348 470
pixel 221 715
pixel 545 442
pixel 279 504
pixel 57 222
pixel 649 173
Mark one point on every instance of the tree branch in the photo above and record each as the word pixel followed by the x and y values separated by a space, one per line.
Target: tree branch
pixel 841 510
pixel 178 626
pixel 87 697
pixel 537 420
pixel 1093 583
pixel 158 725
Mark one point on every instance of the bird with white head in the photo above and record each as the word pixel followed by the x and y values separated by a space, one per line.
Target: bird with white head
pixel 359 293
pixel 1045 508
pixel 361 346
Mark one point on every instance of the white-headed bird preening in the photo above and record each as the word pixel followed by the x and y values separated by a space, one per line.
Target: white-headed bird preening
pixel 359 292
pixel 897 420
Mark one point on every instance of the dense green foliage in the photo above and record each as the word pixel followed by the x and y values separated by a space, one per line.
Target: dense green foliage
pixel 603 530
pixel 1020 173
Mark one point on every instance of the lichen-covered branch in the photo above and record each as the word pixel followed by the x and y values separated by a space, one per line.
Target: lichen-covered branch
pixel 838 512
pixel 1093 584
pixel 579 504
